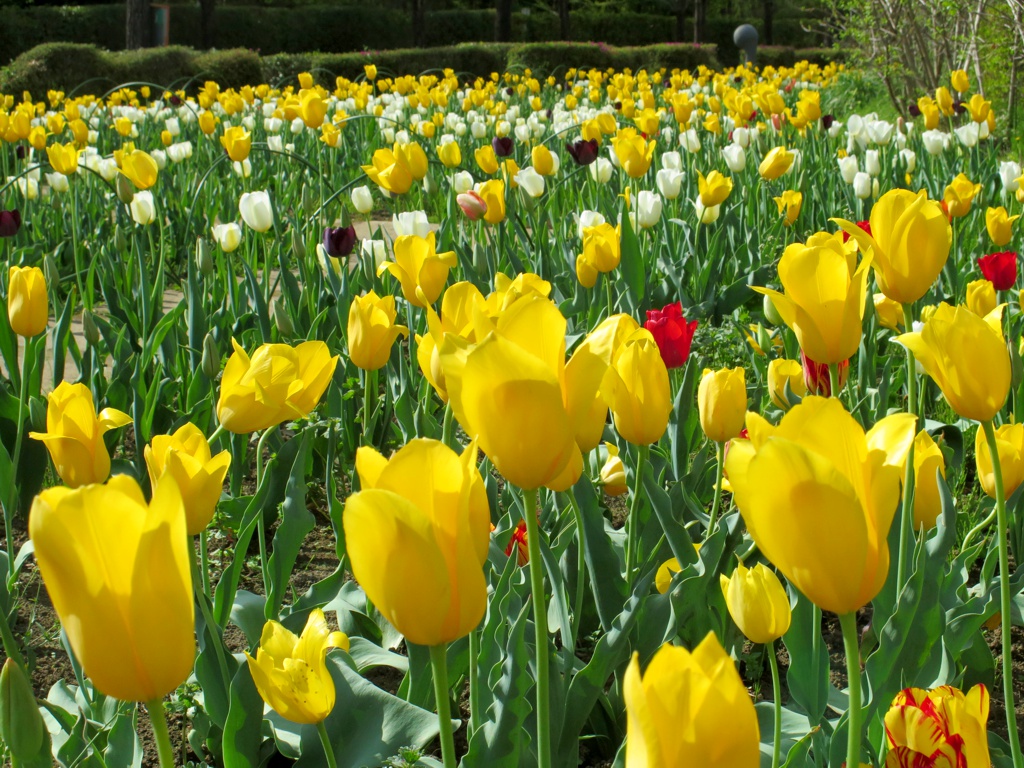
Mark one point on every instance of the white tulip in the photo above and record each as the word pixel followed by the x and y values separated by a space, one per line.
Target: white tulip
pixel 862 185
pixel 648 210
pixel 735 157
pixel 275 143
pixel 143 208
pixel 523 132
pixel 273 124
pixel 689 140
pixel 880 132
pixel 180 151
pixel 848 168
pixel 462 182
pixel 242 169
pixel 614 157
pixel 910 158
pixel 589 219
pixel 669 182
pixel 173 126
pixel 227 236
pixel 362 199
pixel 297 126
pixel 934 141
pixel 871 162
pixel 835 129
pixel 478 129
pixel 411 223
pixel 741 136
pixel 375 250
pixel 1009 172
pixel 58 182
pixel 601 170
pixel 256 210
pixel 707 215
pixel 673 161
pixel 161 158
pixel 968 134
pixel 530 181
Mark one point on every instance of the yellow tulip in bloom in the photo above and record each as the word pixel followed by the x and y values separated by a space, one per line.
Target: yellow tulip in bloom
pixel 28 304
pixel 372 330
pixel 775 163
pixel 1010 444
pixel 371 71
pixel 636 389
pixel 290 671
pixel 63 158
pixel 633 152
pixel 237 142
pixel 312 108
pixel 414 157
pixel 689 709
pixel 186 458
pixel 959 80
pixel 613 473
pixel 602 246
pixel 417 535
pixel 722 403
pixel 818 500
pixel 999 225
pixel 458 307
pixel 714 189
pixel 909 242
pixel 278 383
pixel 118 573
pixel 782 372
pixel 419 268
pixel 450 154
pixel 74 434
pixel 486 159
pixel 979 107
pixel 140 168
pixel 493 194
pixel 207 122
pixel 981 297
pixel 542 160
pixel 668 569
pixel 757 602
pixel 959 195
pixel 389 172
pixel 37 138
pixel 824 296
pixel 928 461
pixel 889 312
pixel 586 273
pixel 944 100
pixel 943 728
pixel 789 203
pixel 967 357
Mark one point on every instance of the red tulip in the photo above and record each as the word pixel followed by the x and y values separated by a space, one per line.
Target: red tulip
pixel 672 333
pixel 10 223
pixel 816 376
pixel 865 225
pixel 1000 269
pixel 518 543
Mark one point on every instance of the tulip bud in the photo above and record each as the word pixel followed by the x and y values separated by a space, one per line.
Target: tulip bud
pixel 92 332
pixel 120 241
pixel 37 413
pixel 282 320
pixel 309 202
pixel 429 185
pixel 298 246
pixel 204 259
pixel 125 190
pixel 211 359
pixel 21 725
pixel 50 270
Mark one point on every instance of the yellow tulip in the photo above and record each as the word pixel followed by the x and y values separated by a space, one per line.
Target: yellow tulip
pixel 290 671
pixel 542 160
pixel 417 535
pixel 237 142
pixel 943 728
pixel 889 312
pixel 389 172
pixel 979 108
pixel 789 203
pixel 689 709
pixel 140 168
pixel 486 159
pixel 493 194
pixel 636 389
pixel 312 108
pixel 818 500
pixel 123 126
pixel 775 163
pixel 450 154
pixel 967 357
pixel 613 473
pixel 602 246
pixel 207 122
pixel 458 307
pixel 185 456
pixel 74 434
pixel 278 383
pixel 999 225
pixel 372 330
pixel 824 297
pixel 371 71
pixel 959 80
pixel 944 100
pixel 586 272
pixel 757 602
pixel 119 575
pixel 959 195
pixel 909 242
pixel 782 372
pixel 714 189
pixel 63 158
pixel 37 138
pixel 981 297
pixel 928 460
pixel 722 403
pixel 414 157
pixel 1010 444
pixel 419 268
pixel 668 569
pixel 28 304
pixel 634 153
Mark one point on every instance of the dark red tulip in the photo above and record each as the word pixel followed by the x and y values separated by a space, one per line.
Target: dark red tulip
pixel 826 121
pixel 518 544
pixel 339 241
pixel 583 152
pixel 672 333
pixel 914 110
pixel 502 145
pixel 1000 269
pixel 10 223
pixel 817 378
pixel 865 225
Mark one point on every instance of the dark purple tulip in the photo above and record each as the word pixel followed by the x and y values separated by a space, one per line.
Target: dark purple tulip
pixel 915 111
pixel 618 106
pixel 175 100
pixel 826 121
pixel 339 241
pixel 509 90
pixel 10 223
pixel 502 145
pixel 20 151
pixel 959 107
pixel 583 152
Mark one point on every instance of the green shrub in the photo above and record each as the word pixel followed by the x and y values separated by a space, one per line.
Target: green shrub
pixel 59 65
pixel 232 68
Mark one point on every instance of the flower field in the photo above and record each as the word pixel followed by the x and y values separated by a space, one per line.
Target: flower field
pixel 604 418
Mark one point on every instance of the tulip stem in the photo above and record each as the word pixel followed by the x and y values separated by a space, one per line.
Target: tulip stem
pixel 9 509
pixel 212 627
pixel 474 688
pixel 608 290
pixel 833 379
pixel 855 725
pixel 1004 597
pixel 540 630
pixel 634 512
pixel 447 427
pixel 439 665
pixel 907 510
pixel 369 402
pixel 158 719
pixel 720 452
pixel 776 705
pixel 216 434
pixel 581 567
pixel 260 527
pixel 325 741
pixel 204 561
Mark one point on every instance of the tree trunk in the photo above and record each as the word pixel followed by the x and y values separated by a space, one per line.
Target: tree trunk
pixel 769 16
pixel 563 19
pixel 137 24
pixel 682 7
pixel 206 23
pixel 700 8
pixel 418 23
pixel 503 21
